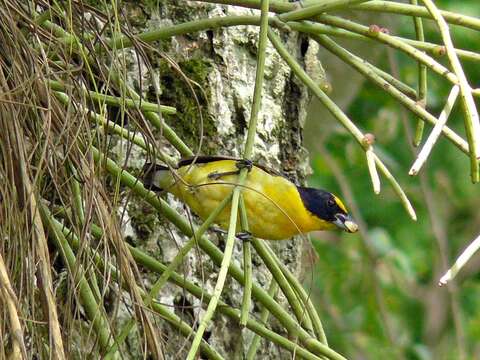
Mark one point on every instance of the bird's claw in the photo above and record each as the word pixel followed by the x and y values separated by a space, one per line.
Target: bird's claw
pixel 244 236
pixel 240 164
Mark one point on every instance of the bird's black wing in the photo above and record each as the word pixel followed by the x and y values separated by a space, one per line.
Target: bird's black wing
pixel 203 159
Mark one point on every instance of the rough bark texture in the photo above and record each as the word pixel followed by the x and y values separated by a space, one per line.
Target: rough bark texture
pixel 222 62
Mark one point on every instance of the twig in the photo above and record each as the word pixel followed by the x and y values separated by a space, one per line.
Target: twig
pixel 310 11
pixel 460 262
pixel 247 267
pixel 252 127
pixel 422 78
pixel 435 134
pixel 340 116
pixel 372 168
pixel 420 11
pixel 394 92
pixel 9 298
pixel 472 122
pixel 252 349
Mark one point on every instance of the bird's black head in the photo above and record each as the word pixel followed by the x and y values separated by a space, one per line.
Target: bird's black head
pixel 328 207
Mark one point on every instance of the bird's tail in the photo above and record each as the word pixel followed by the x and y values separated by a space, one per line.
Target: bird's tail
pixel 156 177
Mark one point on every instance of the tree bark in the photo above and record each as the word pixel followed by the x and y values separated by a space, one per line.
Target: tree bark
pixel 222 62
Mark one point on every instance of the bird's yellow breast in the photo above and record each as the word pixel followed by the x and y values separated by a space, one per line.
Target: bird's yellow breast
pixel 274 208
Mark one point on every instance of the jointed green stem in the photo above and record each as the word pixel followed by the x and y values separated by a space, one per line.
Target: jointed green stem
pixel 247 267
pixel 213 252
pixel 252 127
pixel 312 10
pixel 472 122
pixel 94 311
pixel 337 113
pixel 264 314
pixel 346 56
pixel 422 79
pixel 420 11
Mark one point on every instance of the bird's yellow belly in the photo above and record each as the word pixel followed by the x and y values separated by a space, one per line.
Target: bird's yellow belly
pixel 274 208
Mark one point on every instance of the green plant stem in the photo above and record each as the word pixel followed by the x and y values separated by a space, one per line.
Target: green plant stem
pixel 338 114
pixel 117 129
pixel 247 267
pixel 222 275
pixel 264 314
pixel 99 261
pixel 472 122
pixel 260 330
pixel 390 41
pixel 291 326
pixel 93 310
pixel 278 6
pixel 156 120
pixel 418 11
pixel 252 127
pixel 304 298
pixel 422 79
pixel 312 10
pixel 118 101
pixel 185 28
pixel 275 268
pixel 157 287
pixel 410 104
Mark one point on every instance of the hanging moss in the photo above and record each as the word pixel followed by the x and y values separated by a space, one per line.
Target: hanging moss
pixel 177 92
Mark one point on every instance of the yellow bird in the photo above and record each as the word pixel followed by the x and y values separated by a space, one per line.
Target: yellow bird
pixel 276 208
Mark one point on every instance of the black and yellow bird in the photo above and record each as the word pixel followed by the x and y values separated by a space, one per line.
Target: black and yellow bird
pixel 276 208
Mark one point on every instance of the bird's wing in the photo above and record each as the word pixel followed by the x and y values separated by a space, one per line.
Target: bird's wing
pixel 203 159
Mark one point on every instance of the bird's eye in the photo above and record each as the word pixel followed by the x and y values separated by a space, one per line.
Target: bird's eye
pixel 331 202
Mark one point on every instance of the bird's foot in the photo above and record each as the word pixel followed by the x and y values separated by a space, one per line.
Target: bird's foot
pixel 218 230
pixel 244 164
pixel 244 236
pixel 240 164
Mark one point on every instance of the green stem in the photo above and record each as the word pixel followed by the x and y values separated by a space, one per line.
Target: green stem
pixel 185 28
pixel 252 127
pixel 222 275
pixel 275 268
pixel 419 11
pixel 335 111
pixel 422 79
pixel 472 122
pixel 304 298
pixel 310 11
pixel 264 314
pixel 348 58
pixel 390 41
pixel 118 101
pixel 93 310
pixel 247 267
pixel 211 250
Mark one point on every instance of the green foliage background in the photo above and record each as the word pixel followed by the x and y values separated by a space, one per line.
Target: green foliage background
pixel 406 258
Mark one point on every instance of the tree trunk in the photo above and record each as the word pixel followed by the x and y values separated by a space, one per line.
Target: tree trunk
pixel 222 62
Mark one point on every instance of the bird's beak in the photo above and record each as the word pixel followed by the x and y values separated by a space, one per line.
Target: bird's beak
pixel 345 222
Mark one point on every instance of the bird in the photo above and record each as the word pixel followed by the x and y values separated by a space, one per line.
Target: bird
pixel 277 209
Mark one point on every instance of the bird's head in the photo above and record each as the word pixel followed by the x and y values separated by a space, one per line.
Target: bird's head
pixel 327 207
